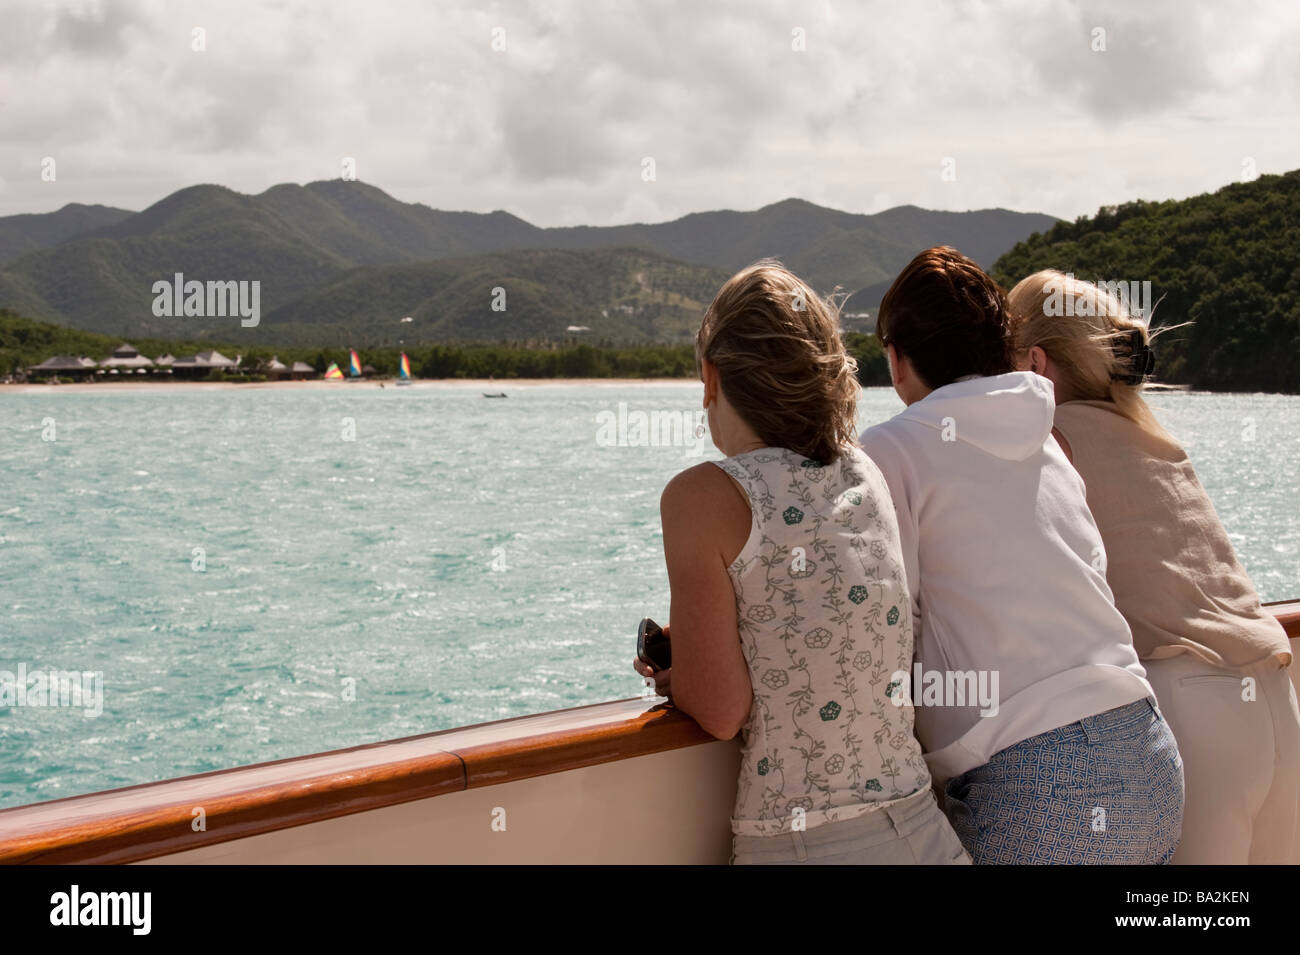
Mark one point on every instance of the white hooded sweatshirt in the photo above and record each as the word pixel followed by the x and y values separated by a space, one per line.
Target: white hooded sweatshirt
pixel 1006 571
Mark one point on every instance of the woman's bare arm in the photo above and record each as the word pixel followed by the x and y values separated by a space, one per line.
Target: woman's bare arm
pixel 704 521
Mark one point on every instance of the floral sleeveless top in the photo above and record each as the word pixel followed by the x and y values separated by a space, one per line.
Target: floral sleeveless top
pixel 825 627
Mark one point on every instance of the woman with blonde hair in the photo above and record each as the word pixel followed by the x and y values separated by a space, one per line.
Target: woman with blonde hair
pixel 1217 661
pixel 790 616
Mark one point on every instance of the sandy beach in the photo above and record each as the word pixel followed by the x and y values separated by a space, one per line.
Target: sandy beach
pixel 473 384
pixel 477 384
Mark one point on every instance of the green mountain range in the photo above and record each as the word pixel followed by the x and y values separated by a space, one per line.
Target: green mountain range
pixel 1228 262
pixel 343 263
pixel 29 233
pixel 338 258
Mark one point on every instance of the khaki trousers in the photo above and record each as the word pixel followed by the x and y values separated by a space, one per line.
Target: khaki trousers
pixel 1241 759
pixel 910 832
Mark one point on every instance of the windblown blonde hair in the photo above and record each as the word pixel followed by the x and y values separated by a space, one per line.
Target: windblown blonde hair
pixel 781 362
pixel 1088 347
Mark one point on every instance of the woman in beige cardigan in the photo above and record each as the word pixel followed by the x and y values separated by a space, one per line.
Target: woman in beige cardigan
pixel 1217 661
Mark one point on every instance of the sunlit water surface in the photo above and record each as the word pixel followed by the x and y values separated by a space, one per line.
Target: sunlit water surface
pixel 265 573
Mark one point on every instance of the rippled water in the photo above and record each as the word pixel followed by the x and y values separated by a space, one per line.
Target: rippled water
pixel 238 563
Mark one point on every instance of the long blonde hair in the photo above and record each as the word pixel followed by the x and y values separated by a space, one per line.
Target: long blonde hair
pixel 1102 352
pixel 781 363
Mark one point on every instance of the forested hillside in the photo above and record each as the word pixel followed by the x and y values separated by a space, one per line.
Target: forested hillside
pixel 1228 262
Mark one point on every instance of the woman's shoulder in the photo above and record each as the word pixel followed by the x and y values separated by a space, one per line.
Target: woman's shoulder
pixel 889 444
pixel 889 447
pixel 1101 412
pixel 1077 423
pixel 1102 426
pixel 703 510
pixel 702 481
pixel 704 500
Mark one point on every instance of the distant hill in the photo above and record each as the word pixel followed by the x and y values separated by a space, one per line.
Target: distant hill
pixel 27 233
pixel 297 240
pixel 1228 261
pixel 615 294
pixel 350 222
pixel 103 282
pixel 826 247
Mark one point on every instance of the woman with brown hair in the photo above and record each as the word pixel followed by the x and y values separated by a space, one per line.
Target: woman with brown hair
pixel 790 618
pixel 1067 759
pixel 1216 659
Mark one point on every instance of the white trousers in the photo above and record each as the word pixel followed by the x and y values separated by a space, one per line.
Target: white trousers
pixel 1241 759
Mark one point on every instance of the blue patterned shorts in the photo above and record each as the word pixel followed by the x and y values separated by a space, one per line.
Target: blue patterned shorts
pixel 1105 790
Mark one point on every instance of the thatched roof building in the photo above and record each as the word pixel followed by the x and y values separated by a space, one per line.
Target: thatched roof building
pixel 64 365
pixel 127 358
pixel 204 360
pixel 196 366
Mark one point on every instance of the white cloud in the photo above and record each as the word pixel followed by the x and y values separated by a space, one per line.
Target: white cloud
pixel 554 127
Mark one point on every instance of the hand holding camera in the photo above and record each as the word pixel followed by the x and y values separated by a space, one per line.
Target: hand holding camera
pixel 654 656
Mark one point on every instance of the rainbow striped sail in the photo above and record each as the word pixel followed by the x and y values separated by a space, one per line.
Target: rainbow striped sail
pixel 354 369
pixel 404 368
pixel 333 372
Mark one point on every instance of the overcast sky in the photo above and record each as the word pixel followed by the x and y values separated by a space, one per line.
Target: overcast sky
pixel 555 126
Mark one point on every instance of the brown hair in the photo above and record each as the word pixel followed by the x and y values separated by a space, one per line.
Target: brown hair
pixel 1101 351
pixel 781 363
pixel 947 317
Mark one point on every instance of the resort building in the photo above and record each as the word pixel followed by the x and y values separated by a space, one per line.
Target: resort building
pixel 64 366
pixel 197 366
pixel 126 360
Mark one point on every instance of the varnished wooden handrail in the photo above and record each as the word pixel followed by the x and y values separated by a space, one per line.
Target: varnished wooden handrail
pixel 156 819
pixel 1288 614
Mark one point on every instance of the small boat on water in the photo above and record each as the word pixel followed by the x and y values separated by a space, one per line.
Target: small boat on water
pixel 498 394
pixel 571 786
pixel 404 370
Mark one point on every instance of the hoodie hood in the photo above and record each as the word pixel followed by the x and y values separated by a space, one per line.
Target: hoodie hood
pixel 1008 416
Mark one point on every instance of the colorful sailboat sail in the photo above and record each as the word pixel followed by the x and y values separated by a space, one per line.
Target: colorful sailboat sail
pixel 333 371
pixel 354 368
pixel 404 368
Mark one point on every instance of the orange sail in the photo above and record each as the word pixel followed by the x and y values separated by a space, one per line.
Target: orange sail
pixel 354 369
pixel 333 371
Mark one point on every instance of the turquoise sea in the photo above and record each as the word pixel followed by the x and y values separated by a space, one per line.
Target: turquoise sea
pixel 262 573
